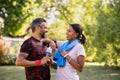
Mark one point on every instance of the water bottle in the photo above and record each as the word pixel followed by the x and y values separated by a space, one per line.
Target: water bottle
pixel 48 51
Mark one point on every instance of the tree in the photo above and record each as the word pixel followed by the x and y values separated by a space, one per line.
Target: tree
pixel 99 18
pixel 107 36
pixel 17 14
pixel 101 22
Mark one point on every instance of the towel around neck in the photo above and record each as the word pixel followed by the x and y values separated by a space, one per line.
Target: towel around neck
pixel 60 60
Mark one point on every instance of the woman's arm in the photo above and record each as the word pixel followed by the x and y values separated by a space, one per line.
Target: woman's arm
pixel 77 65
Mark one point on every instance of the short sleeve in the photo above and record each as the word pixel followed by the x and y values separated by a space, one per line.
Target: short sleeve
pixel 60 43
pixel 80 50
pixel 26 47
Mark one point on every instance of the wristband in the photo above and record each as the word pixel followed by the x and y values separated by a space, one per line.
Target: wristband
pixel 65 55
pixel 69 59
pixel 37 62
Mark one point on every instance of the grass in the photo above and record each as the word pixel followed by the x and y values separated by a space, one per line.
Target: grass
pixel 95 71
pixel 92 71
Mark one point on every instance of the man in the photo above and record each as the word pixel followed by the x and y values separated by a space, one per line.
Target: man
pixel 32 54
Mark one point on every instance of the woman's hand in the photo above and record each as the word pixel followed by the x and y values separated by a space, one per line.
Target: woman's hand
pixel 64 53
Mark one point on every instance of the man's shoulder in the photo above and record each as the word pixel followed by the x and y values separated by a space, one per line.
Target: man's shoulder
pixel 29 40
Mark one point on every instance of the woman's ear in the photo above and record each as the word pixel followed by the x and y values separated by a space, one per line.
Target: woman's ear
pixel 77 34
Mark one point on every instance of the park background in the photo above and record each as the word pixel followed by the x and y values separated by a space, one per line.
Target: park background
pixel 100 20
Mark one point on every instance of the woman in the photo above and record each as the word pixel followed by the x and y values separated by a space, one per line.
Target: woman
pixel 71 53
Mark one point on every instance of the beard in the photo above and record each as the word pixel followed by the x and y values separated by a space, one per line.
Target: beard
pixel 42 35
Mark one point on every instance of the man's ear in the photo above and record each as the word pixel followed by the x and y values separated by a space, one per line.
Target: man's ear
pixel 37 28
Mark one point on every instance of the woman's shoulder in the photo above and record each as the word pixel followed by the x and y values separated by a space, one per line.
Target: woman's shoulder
pixel 80 49
pixel 79 45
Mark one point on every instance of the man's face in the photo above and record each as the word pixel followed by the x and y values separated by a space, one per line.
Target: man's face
pixel 43 30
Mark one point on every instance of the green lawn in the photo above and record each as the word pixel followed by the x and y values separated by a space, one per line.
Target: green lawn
pixel 92 71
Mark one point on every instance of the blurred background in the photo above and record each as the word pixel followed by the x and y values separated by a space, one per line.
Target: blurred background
pixel 100 20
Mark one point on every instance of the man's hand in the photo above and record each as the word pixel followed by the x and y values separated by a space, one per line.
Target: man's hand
pixel 44 60
pixel 51 44
pixel 47 41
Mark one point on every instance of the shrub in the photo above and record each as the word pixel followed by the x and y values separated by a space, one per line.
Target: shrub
pixel 5 57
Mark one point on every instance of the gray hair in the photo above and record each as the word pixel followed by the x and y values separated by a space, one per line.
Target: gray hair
pixel 36 22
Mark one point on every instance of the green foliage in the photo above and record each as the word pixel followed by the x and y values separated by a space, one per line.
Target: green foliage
pixel 99 18
pixel 11 12
pixel 4 50
pixel 107 36
pixel 101 21
pixel 57 31
pixel 18 14
pixel 7 59
pixel 70 11
pixel 8 51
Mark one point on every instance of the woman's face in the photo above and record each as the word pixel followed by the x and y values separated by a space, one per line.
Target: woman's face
pixel 71 34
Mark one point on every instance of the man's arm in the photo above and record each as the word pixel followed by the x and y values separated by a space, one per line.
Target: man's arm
pixel 22 61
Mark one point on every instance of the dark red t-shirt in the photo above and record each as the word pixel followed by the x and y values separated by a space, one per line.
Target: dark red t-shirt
pixel 36 51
